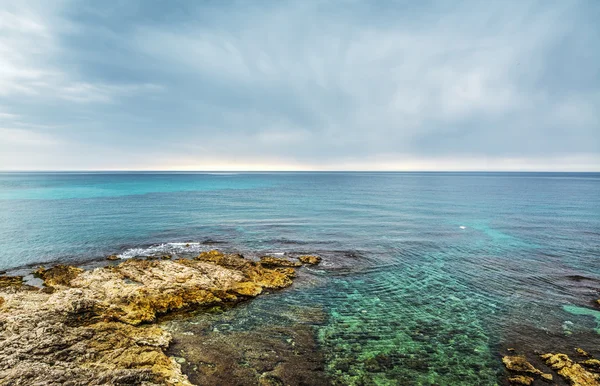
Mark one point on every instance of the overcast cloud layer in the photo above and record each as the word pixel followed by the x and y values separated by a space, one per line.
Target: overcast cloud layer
pixel 330 85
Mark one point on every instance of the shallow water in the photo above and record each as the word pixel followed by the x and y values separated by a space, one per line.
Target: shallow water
pixel 426 277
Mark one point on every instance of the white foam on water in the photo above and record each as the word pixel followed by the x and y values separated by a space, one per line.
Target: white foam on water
pixel 164 249
pixel 463 227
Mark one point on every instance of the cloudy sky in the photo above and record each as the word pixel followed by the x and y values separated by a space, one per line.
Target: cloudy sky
pixel 300 85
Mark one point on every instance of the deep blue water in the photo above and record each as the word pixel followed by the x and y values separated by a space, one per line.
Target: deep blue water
pixel 434 270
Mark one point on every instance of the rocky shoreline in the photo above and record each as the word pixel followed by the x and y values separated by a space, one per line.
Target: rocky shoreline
pixel 98 326
pixel 148 322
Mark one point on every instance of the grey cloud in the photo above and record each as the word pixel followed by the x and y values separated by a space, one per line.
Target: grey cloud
pixel 329 85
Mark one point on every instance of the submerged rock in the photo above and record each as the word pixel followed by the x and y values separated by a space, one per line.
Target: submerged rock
pixel 310 259
pixel 520 380
pixel 271 262
pixel 591 365
pixel 89 328
pixel 519 364
pixel 571 371
pixel 263 354
pixel 112 257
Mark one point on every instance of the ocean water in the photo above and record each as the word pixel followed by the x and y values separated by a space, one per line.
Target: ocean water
pixel 426 277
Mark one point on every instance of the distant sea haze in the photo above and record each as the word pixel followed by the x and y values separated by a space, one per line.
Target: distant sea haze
pixel 442 266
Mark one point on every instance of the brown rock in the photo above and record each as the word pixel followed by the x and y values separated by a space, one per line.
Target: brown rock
pixel 591 365
pixel 255 272
pixel 519 363
pixel 273 262
pixel 247 289
pixel 11 281
pixel 166 257
pixel 58 275
pixel 310 259
pixel 572 372
pixel 89 330
pixel 112 257
pixel 269 354
pixel 520 380
pixel 582 352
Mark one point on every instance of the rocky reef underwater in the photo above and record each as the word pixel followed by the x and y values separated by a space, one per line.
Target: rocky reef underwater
pixel 187 321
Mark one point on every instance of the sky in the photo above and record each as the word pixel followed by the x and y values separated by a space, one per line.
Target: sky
pixel 300 85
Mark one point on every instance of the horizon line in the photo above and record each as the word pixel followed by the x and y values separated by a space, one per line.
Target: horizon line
pixel 288 171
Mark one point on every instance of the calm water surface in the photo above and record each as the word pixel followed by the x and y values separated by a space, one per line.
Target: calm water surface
pixel 433 272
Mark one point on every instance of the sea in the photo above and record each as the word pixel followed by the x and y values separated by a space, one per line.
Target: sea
pixel 427 278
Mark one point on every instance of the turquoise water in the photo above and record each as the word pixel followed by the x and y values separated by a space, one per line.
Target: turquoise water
pixel 425 275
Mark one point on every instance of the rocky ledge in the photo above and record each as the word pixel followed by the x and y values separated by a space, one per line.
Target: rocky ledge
pixel 586 372
pixel 96 327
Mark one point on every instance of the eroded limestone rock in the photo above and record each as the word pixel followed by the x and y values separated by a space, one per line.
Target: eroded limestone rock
pixel 272 262
pixel 520 380
pixel 519 364
pixel 310 259
pixel 60 275
pixel 91 327
pixel 591 365
pixel 571 371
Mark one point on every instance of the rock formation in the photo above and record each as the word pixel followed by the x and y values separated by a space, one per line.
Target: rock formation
pixel 310 259
pixel 571 371
pixel 270 261
pixel 584 373
pixel 92 327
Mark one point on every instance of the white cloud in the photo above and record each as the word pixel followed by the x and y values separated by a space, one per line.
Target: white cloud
pixel 30 51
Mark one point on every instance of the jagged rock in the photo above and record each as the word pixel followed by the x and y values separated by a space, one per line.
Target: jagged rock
pixel 310 259
pixel 272 262
pixel 255 272
pixel 112 257
pixel 547 377
pixel 520 380
pixel 573 372
pixel 519 363
pixel 247 289
pixel 58 275
pixel 87 327
pixel 582 352
pixel 591 365
pixel 11 281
